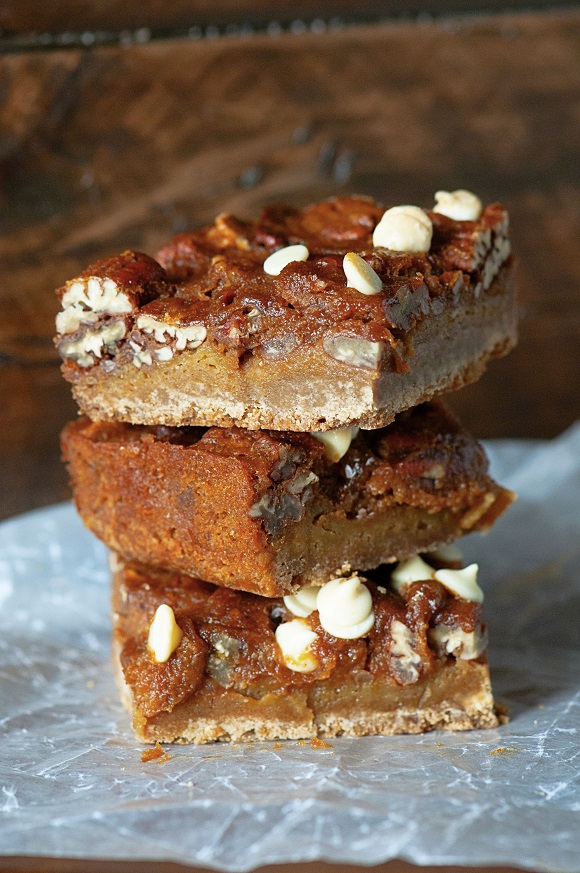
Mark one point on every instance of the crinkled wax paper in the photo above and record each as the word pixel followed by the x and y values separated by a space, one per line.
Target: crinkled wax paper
pixel 71 778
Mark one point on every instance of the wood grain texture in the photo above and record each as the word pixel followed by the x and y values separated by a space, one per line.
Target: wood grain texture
pixel 114 148
pixel 37 16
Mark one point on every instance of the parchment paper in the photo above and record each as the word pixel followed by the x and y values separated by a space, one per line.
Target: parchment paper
pixel 72 782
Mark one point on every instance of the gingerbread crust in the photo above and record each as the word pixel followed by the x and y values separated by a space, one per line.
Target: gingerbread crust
pixel 267 512
pixel 300 351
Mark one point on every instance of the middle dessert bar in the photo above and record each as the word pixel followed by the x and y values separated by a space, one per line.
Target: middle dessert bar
pixel 269 512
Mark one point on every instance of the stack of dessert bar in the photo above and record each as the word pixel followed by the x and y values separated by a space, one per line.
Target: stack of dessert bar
pixel 261 451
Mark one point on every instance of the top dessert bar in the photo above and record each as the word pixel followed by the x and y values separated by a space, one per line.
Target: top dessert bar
pixel 304 320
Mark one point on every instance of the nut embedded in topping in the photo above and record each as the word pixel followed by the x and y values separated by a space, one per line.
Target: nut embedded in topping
pixel 498 255
pixel 460 205
pixel 164 354
pixel 190 336
pixel 115 286
pixel 93 343
pixel 295 639
pixel 280 259
pixel 140 355
pixel 70 319
pixel 357 352
pixel 404 229
pixel 345 608
pixel 87 298
pixel 405 659
pixel 164 634
pixel 301 482
pixel 360 275
pixel 100 295
pixel 455 641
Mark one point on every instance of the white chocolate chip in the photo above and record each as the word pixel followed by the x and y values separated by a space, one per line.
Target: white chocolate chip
pixel 460 205
pixel 141 356
pixel 414 569
pixel 345 608
pixel 280 259
pixel 404 229
pixel 462 583
pixel 164 634
pixel 303 602
pixel 336 442
pixel 295 639
pixel 360 275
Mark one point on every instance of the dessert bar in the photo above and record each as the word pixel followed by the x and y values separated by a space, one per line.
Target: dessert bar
pixel 268 511
pixel 404 653
pixel 336 315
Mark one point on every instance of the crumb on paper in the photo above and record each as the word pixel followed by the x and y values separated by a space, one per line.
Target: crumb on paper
pixel 505 751
pixel 320 744
pixel 155 754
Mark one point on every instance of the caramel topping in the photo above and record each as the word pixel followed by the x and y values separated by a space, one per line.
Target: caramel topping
pixel 229 637
pixel 218 282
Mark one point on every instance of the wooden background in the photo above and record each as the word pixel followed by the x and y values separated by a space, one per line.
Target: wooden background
pixel 117 146
pixel 126 138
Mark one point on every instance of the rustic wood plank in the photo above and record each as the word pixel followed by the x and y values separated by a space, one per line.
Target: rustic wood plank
pixel 66 16
pixel 118 148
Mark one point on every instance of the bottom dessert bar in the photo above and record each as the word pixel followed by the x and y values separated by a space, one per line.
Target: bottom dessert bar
pixel 240 667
